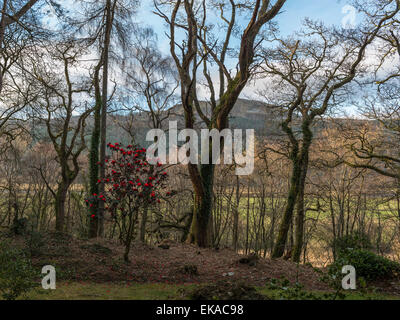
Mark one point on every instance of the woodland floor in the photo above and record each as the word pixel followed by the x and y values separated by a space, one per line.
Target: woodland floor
pixel 100 262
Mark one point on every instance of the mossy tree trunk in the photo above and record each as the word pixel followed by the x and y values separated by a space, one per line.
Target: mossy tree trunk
pixel 94 152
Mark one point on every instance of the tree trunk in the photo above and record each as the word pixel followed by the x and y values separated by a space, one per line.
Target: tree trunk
pixel 199 233
pixel 94 153
pixel 103 131
pixel 299 232
pixel 236 217
pixel 143 223
pixel 288 214
pixel 60 199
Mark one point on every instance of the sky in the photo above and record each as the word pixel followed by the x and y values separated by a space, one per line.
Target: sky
pixel 294 12
pixel 330 12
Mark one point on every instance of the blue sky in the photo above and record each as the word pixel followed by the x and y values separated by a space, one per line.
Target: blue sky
pixel 327 11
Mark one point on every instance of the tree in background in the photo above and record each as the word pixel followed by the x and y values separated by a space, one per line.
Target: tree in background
pixel 20 31
pixel 60 99
pixel 152 80
pixel 374 144
pixel 311 75
pixel 11 14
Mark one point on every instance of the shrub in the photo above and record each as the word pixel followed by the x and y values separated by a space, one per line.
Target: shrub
pixel 34 242
pixel 355 240
pixel 284 290
pixel 368 265
pixel 16 273
pixel 131 184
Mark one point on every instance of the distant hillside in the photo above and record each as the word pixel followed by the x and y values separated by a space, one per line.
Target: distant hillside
pixel 246 114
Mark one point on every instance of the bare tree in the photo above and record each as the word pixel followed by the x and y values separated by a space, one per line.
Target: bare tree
pixel 200 48
pixel 11 16
pixel 63 110
pixel 311 76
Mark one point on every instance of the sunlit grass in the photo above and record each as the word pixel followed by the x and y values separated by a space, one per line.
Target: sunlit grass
pixel 109 291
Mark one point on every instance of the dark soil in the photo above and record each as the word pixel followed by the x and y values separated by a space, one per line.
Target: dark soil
pixel 100 260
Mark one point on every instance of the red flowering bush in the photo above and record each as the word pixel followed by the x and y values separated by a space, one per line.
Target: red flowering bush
pixel 131 184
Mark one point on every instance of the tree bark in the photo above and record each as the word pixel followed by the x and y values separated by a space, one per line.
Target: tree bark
pixel 288 214
pixel 60 199
pixel 299 228
pixel 199 233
